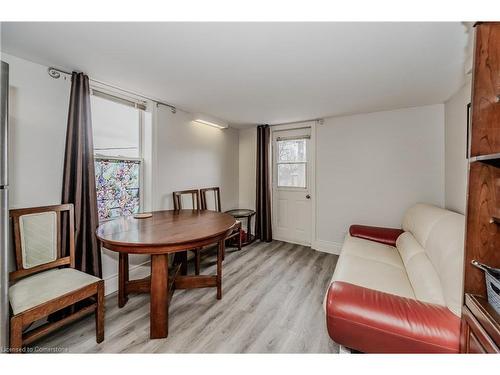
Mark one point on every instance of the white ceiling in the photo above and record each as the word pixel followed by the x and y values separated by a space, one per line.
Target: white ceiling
pixel 250 73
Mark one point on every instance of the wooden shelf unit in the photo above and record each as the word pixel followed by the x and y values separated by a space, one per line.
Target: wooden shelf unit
pixel 480 323
pixel 481 331
pixel 490 159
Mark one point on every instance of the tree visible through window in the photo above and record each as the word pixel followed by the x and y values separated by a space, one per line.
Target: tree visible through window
pixel 118 164
pixel 291 163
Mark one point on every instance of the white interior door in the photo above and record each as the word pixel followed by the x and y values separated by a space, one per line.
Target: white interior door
pixel 291 186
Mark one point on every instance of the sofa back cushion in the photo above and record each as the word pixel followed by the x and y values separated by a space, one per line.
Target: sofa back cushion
pixel 423 277
pixel 432 249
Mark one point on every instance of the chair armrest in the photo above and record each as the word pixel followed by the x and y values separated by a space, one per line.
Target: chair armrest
pixel 387 236
pixel 376 322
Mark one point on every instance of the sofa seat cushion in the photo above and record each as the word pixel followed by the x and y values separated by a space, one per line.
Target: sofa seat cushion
pixel 375 322
pixel 373 265
pixel 42 287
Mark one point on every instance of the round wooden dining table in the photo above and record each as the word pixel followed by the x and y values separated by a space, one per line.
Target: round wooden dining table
pixel 164 233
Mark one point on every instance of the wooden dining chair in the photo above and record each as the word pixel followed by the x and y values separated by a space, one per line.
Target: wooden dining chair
pixel 192 201
pixel 44 281
pixel 186 199
pixel 210 200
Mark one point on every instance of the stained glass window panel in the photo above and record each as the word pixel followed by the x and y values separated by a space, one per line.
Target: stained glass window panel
pixel 117 183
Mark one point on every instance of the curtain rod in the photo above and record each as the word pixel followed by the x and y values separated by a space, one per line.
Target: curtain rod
pixel 56 73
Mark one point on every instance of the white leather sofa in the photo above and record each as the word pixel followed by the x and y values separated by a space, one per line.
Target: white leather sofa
pixel 400 290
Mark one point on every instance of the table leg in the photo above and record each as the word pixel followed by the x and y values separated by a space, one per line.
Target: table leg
pixel 220 251
pixel 249 228
pixel 123 278
pixel 158 316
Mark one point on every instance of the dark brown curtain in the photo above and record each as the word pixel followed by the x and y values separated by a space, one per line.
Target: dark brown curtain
pixel 263 229
pixel 79 179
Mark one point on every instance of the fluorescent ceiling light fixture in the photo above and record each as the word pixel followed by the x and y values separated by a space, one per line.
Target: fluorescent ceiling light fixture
pixel 210 121
pixel 211 124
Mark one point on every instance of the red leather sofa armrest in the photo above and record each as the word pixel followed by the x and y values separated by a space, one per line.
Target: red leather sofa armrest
pixel 387 236
pixel 376 322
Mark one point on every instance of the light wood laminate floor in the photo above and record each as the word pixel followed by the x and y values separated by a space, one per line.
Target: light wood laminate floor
pixel 271 303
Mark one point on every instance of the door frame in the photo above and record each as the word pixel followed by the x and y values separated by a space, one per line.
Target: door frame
pixel 311 164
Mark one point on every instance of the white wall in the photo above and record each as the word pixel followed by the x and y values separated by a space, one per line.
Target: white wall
pixel 38 116
pixel 372 167
pixel 456 168
pixel 188 155
pixel 369 169
pixel 455 149
pixel 247 167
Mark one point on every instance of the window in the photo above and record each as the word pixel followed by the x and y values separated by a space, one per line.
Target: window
pixel 292 162
pixel 118 187
pixel 117 126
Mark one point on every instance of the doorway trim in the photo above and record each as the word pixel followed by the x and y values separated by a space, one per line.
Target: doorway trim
pixel 312 165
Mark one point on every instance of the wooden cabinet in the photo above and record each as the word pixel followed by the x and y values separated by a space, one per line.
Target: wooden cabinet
pixel 480 327
pixel 483 233
pixel 480 322
pixel 486 91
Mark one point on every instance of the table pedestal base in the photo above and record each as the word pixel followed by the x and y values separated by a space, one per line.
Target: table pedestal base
pixel 161 286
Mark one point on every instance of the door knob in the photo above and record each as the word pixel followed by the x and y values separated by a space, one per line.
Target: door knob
pixel 308 196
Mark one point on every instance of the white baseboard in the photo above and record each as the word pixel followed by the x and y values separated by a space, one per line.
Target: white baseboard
pixel 320 245
pixel 327 246
pixel 135 272
pixel 291 241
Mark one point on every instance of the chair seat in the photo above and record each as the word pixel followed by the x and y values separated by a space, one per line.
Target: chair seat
pixel 45 286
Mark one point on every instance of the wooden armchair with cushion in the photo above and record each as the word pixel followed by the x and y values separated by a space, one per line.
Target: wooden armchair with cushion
pixel 44 281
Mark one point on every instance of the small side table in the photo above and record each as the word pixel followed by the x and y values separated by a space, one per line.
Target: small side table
pixel 244 213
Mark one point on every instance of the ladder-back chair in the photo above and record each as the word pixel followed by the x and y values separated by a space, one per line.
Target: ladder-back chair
pixel 188 199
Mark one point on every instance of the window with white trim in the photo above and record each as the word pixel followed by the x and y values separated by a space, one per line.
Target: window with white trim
pixel 117 128
pixel 291 163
